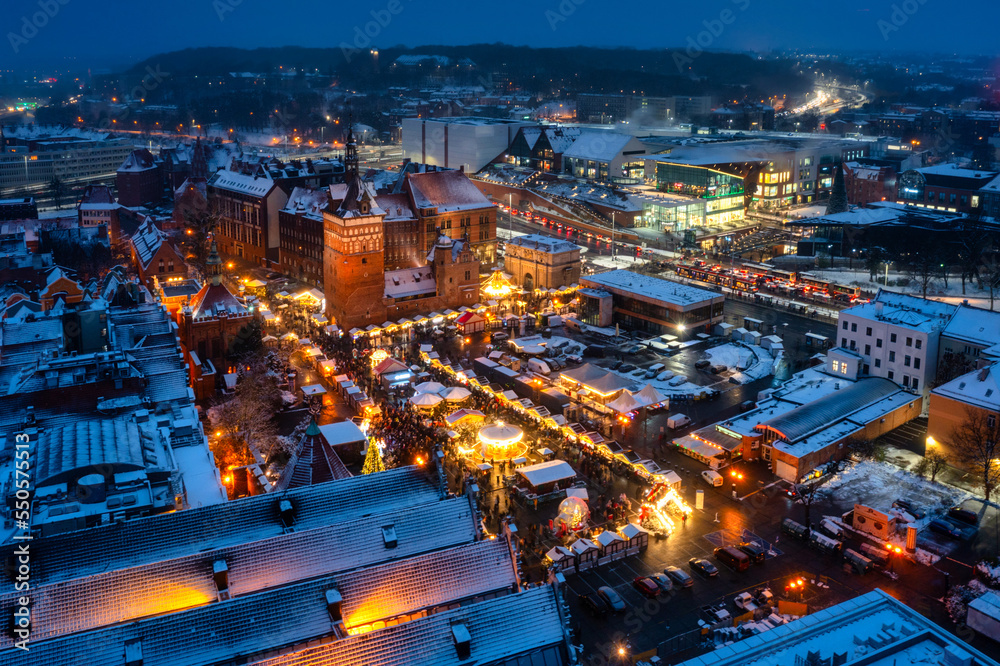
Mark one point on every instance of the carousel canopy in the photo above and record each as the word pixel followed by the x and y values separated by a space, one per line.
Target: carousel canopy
pixel 455 394
pixel 429 387
pixel 500 433
pixel 426 400
pixel 255 284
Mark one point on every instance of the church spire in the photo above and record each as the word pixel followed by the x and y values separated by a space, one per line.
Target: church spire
pixel 214 263
pixel 350 151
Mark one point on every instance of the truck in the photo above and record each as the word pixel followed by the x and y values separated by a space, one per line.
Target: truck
pixel 745 601
pixel 859 562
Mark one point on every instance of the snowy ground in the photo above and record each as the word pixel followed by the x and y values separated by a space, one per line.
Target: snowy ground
pixel 878 485
pixel 758 362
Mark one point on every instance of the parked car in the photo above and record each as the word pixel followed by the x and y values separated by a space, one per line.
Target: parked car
pixel 574 358
pixel 611 598
pixel 640 373
pixel 626 368
pixel 663 580
pixel 701 365
pixel 500 335
pixel 272 275
pixel 755 552
pixel 634 349
pixel 679 576
pixel 964 516
pixel 943 527
pixel 617 364
pixel 910 508
pixel 678 380
pixel 647 587
pixel 664 376
pixel 595 604
pixel 703 566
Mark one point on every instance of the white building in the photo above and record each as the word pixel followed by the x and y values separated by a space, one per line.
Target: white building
pixel 872 629
pixel 896 337
pixel 454 143
pixel 606 156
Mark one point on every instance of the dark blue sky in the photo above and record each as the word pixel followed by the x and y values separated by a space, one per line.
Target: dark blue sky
pixel 94 30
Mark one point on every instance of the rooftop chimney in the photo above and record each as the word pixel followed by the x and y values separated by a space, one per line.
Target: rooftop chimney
pixel 463 639
pixel 133 652
pixel 287 513
pixel 333 604
pixel 220 572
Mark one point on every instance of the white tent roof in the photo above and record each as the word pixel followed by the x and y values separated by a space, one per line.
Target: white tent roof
pixel 426 399
pixel 455 394
pixel 429 387
pixel 624 403
pixel 547 472
pixel 649 396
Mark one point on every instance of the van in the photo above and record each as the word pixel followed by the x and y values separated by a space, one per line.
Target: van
pixel 656 368
pixel 754 552
pixel 539 367
pixel 678 421
pixel 499 336
pixel 733 558
pixel 712 478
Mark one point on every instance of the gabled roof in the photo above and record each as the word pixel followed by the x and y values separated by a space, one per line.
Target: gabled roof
pixel 600 146
pixel 146 241
pixel 975 325
pixel 215 300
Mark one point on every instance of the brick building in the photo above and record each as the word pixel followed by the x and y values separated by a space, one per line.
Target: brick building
pixel 153 254
pixel 361 292
pixel 98 207
pixel 869 183
pixel 448 204
pixel 140 179
pixel 213 319
pixel 300 228
pixel 541 262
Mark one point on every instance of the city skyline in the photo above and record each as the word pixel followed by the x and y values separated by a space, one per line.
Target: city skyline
pixel 726 25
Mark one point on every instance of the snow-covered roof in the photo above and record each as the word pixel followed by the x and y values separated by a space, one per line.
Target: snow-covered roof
pixel 806 419
pixel 343 432
pixel 646 287
pixel 146 241
pixel 241 183
pixel 307 201
pixel 904 310
pixel 547 472
pixel 979 387
pixel 872 629
pixel 448 191
pixel 975 325
pixel 410 282
pixel 601 146
pixel 543 243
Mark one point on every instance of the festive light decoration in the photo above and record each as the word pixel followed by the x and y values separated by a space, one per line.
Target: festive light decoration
pixel 373 459
pixel 573 514
pixel 658 502
pixel 378 356
pixel 497 286
pixel 499 441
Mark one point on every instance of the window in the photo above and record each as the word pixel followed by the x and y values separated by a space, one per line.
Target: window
pixel 878 342
pixel 845 326
pixel 853 345
pixel 892 337
pixel 868 350
pixel 916 363
pixel 868 331
pixel 466 275
pixel 843 342
pixel 891 374
pixel 878 363
pixel 991 421
pixel 843 368
pixel 906 361
pixel 836 366
pixel 909 342
pixel 906 381
pixel 364 260
pixel 919 343
pixel 915 384
pixel 892 357
pixel 854 328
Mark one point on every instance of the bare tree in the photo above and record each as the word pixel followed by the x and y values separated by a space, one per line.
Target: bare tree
pixel 977 446
pixel 931 464
pixel 989 274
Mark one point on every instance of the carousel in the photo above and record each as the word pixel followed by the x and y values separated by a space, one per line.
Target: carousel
pixel 501 441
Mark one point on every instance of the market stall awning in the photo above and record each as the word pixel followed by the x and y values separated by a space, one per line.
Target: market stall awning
pixel 255 283
pixel 464 414
pixel 426 400
pixel 455 394
pixel 429 387
pixel 624 403
pixel 547 472
pixel 698 447
pixel 320 318
pixel 313 390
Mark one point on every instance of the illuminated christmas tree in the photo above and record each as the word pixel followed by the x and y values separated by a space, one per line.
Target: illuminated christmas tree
pixel 373 459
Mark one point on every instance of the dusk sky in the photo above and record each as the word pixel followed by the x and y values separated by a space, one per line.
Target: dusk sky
pixel 123 31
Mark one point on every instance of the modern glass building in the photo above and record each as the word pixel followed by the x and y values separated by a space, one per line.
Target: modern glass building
pixel 693 196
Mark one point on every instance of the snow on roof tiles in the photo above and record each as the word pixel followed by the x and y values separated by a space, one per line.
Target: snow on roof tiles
pixel 544 243
pixel 979 387
pixel 448 191
pixel 599 145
